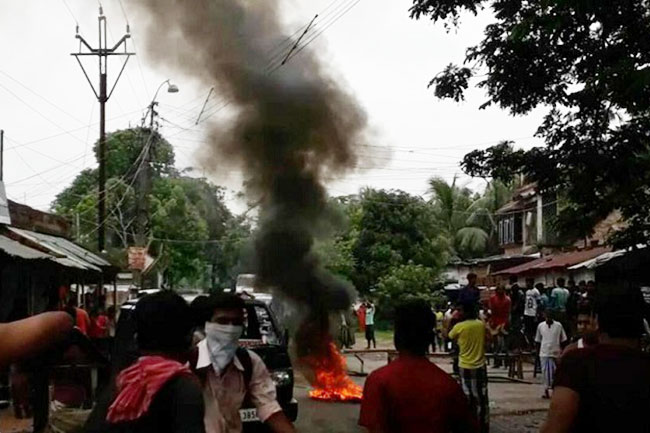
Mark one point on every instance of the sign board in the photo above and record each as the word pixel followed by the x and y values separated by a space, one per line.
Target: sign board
pixel 137 258
pixel 4 206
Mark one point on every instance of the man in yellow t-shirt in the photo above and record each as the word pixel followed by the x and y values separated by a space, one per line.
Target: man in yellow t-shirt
pixel 470 335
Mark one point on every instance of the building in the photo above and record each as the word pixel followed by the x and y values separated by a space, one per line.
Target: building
pixel 524 223
pixel 37 259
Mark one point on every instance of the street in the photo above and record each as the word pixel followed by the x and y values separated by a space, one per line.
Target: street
pixel 514 407
pixel 322 417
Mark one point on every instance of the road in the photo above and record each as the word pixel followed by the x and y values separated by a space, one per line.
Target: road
pixel 322 417
pixel 517 408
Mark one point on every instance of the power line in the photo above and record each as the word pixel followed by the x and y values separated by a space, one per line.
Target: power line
pixel 40 96
pixel 327 26
pixel 39 113
pixel 65 3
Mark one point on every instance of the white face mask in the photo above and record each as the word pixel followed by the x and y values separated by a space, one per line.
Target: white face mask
pixel 222 341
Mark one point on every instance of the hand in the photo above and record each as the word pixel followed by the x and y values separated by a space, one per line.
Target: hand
pixel 30 336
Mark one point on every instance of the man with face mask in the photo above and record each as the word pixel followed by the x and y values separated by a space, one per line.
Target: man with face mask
pixel 232 375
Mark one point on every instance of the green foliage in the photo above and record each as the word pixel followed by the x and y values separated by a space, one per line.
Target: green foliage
pixel 124 149
pixel 407 282
pixel 466 220
pixel 184 209
pixel 394 228
pixel 586 63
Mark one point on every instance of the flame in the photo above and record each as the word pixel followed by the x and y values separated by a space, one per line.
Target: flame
pixel 331 381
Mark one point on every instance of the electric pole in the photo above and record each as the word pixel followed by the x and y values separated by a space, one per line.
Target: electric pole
pixel 144 179
pixel 103 52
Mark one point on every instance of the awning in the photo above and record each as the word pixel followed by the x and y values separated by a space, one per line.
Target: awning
pixel 66 252
pixel 556 261
pixel 16 249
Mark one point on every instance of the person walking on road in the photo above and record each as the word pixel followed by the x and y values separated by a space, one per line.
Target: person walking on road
pixel 470 294
pixel 500 305
pixel 533 298
pixel 231 374
pixel 559 300
pixel 370 324
pixel 606 387
pixel 471 336
pixel 412 394
pixel 550 336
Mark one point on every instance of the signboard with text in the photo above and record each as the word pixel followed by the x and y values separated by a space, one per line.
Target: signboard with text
pixel 137 258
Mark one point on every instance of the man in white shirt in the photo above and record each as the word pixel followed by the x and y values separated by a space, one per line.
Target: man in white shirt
pixel 531 307
pixel 370 324
pixel 550 336
pixel 231 374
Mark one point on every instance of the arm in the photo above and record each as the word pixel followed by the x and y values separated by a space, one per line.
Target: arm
pixel 262 392
pixel 563 412
pixel 453 334
pixel 27 337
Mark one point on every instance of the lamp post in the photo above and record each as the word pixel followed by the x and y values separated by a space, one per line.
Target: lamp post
pixel 144 176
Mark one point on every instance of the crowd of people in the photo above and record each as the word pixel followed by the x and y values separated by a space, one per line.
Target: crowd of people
pixel 172 385
pixel 588 347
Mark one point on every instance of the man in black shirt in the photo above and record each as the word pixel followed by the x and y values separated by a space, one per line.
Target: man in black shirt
pixel 606 387
pixel 518 298
pixel 158 393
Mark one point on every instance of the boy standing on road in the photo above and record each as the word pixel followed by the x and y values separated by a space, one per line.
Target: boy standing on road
pixel 533 298
pixel 370 324
pixel 471 335
pixel 550 336
pixel 411 394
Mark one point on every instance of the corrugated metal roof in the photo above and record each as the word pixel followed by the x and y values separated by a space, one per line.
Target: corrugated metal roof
pixel 600 260
pixel 70 254
pixel 562 260
pixel 16 249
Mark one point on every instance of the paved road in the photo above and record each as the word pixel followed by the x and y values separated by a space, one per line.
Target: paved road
pixel 323 417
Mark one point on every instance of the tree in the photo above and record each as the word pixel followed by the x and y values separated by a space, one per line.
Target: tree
pixel 407 282
pixel 200 237
pixel 451 208
pixel 394 229
pixel 586 63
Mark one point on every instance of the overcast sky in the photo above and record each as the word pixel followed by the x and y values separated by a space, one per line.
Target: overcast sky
pixel 50 115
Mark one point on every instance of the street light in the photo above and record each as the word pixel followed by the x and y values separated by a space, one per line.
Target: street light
pixel 143 188
pixel 171 88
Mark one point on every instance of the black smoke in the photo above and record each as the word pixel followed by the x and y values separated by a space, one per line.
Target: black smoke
pixel 286 130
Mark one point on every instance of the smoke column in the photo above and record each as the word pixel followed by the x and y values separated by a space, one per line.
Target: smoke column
pixel 289 130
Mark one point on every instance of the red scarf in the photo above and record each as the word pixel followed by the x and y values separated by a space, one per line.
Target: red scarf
pixel 138 384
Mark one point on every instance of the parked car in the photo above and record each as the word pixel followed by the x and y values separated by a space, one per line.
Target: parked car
pixel 262 335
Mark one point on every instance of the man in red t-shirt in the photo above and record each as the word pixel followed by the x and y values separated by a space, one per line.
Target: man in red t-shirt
pixel 411 394
pixel 499 319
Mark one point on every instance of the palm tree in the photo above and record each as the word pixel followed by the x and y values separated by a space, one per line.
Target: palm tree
pixel 451 207
pixel 467 219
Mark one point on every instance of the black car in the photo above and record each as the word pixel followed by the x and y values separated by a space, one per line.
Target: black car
pixel 261 335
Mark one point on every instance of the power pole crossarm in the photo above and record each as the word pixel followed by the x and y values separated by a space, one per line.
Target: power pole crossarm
pixel 102 53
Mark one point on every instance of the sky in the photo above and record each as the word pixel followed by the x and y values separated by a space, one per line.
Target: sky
pixel 51 117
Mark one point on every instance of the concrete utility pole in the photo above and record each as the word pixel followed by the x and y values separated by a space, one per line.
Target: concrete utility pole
pixel 102 52
pixel 143 190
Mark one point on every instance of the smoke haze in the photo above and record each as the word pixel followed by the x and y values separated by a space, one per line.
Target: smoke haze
pixel 289 130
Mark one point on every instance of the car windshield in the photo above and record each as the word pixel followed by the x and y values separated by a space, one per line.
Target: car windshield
pixel 259 325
